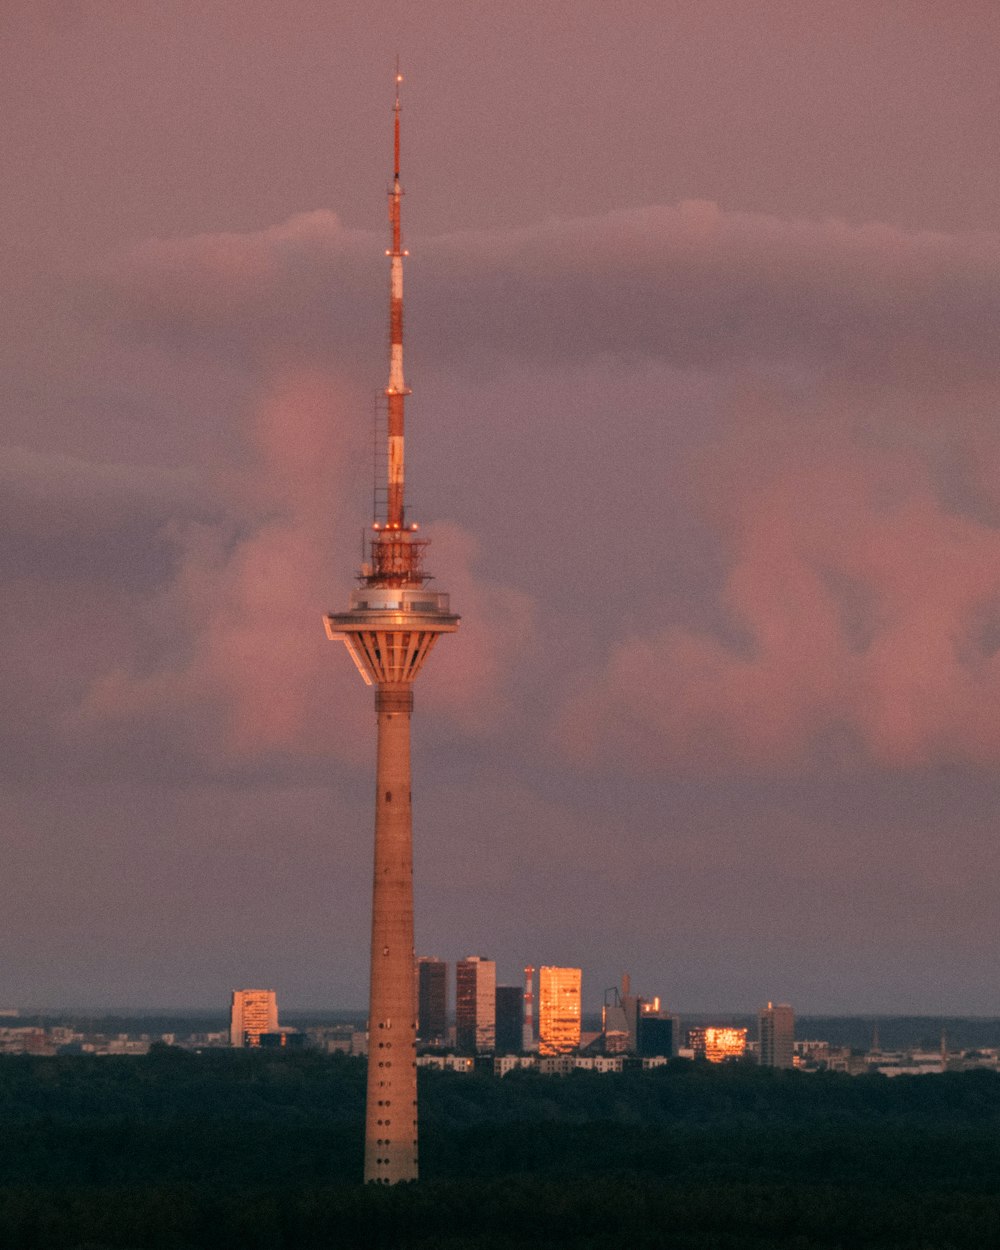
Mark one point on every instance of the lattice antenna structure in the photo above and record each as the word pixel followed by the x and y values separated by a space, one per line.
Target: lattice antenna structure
pixel 390 627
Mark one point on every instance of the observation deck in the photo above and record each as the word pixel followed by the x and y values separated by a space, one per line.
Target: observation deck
pixel 390 630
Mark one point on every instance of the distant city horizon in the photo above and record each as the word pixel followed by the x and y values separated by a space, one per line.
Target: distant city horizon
pixel 721 1013
pixel 631 1031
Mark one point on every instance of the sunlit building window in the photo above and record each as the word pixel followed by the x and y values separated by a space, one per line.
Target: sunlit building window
pixel 718 1044
pixel 252 1013
pixel 558 1010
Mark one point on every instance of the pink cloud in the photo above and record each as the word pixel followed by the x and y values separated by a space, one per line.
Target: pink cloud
pixel 236 652
pixel 823 642
pixel 244 660
pixel 863 620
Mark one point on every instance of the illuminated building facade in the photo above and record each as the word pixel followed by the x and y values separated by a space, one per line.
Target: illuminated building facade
pixel 432 1000
pixel 776 1036
pixel 475 1005
pixel 718 1044
pixel 559 1010
pixel 251 1013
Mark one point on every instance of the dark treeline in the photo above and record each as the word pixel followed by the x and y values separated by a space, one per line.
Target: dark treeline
pixel 242 1149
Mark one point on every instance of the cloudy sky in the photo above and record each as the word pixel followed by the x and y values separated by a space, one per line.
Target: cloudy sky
pixel 702 327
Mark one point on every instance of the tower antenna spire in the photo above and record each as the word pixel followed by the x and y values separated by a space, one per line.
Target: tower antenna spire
pixel 397 390
pixel 396 109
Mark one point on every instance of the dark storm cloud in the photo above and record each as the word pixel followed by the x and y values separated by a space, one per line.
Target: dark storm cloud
pixel 691 285
pixel 70 521
pixel 701 287
pixel 281 291
pixel 88 547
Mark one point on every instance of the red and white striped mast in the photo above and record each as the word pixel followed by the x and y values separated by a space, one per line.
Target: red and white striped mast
pixel 397 390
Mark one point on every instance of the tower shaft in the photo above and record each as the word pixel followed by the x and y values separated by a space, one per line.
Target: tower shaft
pixel 391 1112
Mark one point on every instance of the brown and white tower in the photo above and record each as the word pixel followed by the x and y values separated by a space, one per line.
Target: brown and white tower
pixel 391 625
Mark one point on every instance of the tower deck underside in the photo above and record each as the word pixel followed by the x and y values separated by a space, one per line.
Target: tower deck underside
pixel 390 631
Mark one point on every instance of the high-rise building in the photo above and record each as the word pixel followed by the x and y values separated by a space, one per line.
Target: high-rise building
pixel 615 1018
pixel 620 1017
pixel 528 1026
pixel 432 1000
pixel 656 1034
pixel 251 1013
pixel 510 1019
pixel 559 1012
pixel 776 1036
pixel 622 1020
pixel 717 1044
pixel 390 627
pixel 475 1005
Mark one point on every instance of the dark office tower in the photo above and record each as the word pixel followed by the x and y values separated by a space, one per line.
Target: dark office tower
pixel 657 1035
pixel 432 1000
pixel 475 1005
pixel 776 1036
pixel 510 1019
pixel 528 1029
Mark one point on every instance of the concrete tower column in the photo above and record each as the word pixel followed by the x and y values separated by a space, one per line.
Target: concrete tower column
pixel 391 1116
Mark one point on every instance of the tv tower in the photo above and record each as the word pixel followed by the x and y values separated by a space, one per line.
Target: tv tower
pixel 391 625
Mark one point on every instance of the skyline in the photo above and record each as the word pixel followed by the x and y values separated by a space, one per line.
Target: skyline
pixel 702 321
